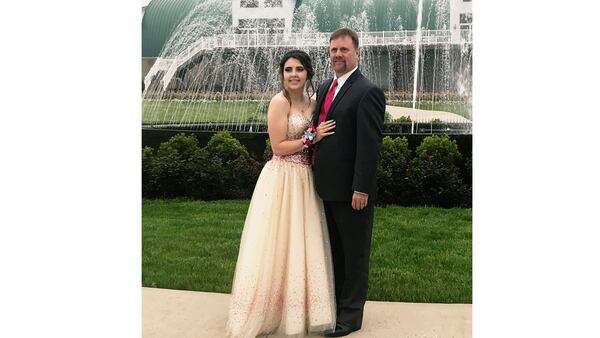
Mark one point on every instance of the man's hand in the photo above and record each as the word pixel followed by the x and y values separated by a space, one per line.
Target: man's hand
pixel 359 200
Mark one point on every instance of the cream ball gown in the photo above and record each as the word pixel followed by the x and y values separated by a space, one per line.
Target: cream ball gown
pixel 283 283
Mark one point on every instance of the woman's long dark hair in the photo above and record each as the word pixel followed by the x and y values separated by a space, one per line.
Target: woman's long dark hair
pixel 306 63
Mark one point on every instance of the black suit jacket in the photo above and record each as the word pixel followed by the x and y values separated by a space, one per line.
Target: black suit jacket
pixel 347 160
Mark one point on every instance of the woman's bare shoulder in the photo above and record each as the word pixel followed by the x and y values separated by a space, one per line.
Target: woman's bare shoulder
pixel 279 104
pixel 279 99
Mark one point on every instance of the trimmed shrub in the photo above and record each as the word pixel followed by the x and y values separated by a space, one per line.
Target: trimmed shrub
pixel 205 180
pixel 469 171
pixel 245 171
pixel 226 147
pixel 181 144
pixel 179 168
pixel 148 186
pixel 392 170
pixel 239 171
pixel 387 117
pixel 434 177
pixel 403 119
pixel 223 169
pixel 468 179
pixel 171 169
pixel 167 174
pixel 268 153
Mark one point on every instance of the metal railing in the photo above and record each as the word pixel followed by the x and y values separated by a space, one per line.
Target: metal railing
pixel 255 40
pixel 384 38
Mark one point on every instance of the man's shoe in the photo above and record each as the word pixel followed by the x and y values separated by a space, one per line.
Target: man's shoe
pixel 339 331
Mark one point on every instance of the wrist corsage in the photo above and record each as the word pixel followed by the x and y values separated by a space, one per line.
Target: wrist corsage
pixel 309 135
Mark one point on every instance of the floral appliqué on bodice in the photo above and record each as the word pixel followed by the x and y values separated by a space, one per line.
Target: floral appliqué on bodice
pixel 297 124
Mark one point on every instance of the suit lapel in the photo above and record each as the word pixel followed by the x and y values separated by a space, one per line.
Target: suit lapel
pixel 343 91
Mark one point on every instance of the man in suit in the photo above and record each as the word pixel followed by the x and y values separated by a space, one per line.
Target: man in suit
pixel 344 167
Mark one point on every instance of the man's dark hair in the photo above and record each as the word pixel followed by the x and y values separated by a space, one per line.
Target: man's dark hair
pixel 345 32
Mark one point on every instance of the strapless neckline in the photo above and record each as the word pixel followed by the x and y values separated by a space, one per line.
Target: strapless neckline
pixel 300 114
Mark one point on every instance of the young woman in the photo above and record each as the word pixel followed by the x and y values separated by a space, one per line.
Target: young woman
pixel 283 283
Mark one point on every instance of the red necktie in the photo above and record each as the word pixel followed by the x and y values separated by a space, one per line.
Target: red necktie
pixel 324 110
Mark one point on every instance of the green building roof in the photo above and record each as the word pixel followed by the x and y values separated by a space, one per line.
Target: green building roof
pixel 160 19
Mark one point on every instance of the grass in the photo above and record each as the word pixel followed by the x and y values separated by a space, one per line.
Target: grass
pixel 417 255
pixel 166 111
pixel 421 255
pixel 187 111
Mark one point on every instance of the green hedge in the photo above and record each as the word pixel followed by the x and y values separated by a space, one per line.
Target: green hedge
pixel 392 169
pixel 435 174
pixel 180 168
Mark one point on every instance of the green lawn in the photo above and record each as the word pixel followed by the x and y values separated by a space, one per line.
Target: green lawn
pixel 165 111
pixel 417 255
pixel 187 111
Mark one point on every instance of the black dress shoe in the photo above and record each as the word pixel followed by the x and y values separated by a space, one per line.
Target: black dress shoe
pixel 339 331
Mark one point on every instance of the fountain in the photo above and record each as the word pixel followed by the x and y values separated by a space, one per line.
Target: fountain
pixel 214 75
pixel 417 59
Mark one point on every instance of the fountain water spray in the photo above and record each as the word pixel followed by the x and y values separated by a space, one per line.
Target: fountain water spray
pixel 212 77
pixel 417 54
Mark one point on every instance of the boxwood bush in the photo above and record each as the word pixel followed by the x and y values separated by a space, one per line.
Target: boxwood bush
pixel 436 174
pixel 392 183
pixel 239 171
pixel 180 168
pixel 433 175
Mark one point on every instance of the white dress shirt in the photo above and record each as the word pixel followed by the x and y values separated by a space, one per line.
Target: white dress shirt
pixel 341 80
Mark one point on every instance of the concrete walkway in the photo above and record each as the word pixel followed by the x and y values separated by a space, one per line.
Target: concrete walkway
pixel 425 115
pixel 175 313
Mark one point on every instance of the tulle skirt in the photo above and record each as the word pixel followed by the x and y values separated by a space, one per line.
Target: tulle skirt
pixel 283 284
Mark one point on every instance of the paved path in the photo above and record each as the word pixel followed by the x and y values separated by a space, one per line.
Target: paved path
pixel 425 115
pixel 174 313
